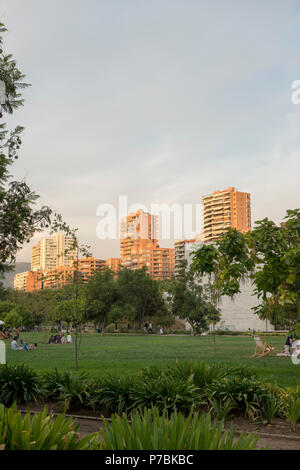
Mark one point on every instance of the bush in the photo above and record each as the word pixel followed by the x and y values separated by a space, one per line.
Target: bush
pixel 72 389
pixel 292 407
pixel 229 333
pixel 202 374
pixel 112 394
pixel 19 383
pixel 248 395
pixel 150 431
pixel 42 433
pixel 165 392
pixel 180 332
pixel 241 371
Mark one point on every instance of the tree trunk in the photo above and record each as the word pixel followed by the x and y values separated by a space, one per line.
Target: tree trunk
pixel 76 349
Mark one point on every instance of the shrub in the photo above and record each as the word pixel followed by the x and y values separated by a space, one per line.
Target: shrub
pixel 113 394
pixel 292 407
pixel 72 389
pixel 40 433
pixel 248 395
pixel 271 406
pixel 202 374
pixel 19 383
pixel 165 392
pixel 150 431
pixel 222 410
pixel 241 371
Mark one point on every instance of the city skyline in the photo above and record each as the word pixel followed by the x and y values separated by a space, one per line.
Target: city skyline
pixel 161 102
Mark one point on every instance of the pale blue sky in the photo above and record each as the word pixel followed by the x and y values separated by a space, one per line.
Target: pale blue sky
pixel 160 100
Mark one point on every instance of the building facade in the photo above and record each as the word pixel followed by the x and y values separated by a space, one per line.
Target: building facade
pixel 87 267
pixel 139 246
pixel 20 281
pixel 114 264
pixel 52 252
pixel 223 210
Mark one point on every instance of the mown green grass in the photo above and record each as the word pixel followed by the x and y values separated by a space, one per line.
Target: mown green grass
pixel 124 355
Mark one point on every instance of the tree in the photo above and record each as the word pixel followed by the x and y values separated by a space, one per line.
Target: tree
pixel 101 296
pixel 41 303
pixel 65 312
pixel 269 256
pixel 190 300
pixel 26 316
pixel 13 319
pixel 75 284
pixel 5 308
pixel 19 219
pixel 143 293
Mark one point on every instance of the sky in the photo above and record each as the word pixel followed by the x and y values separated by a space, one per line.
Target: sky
pixel 162 101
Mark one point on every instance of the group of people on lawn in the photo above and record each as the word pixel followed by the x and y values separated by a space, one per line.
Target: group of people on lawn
pixel 57 339
pixel 60 339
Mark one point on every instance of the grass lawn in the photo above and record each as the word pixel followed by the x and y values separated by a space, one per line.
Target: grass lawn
pixel 124 355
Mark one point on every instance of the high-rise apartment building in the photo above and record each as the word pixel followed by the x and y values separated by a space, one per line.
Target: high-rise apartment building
pixel 226 209
pixel 114 264
pixel 52 252
pixel 87 267
pixel 139 246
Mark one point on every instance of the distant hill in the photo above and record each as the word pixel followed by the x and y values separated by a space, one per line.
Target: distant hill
pixel 8 280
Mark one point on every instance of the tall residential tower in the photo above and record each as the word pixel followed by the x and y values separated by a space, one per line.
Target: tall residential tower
pixel 226 209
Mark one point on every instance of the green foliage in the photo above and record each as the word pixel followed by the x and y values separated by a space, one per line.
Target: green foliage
pixel 13 319
pixel 113 394
pixel 272 407
pixel 201 374
pixel 269 256
pixel 101 295
pixel 137 288
pixel 292 407
pixel 248 395
pixel 65 311
pixel 191 300
pixel 19 220
pixel 19 383
pixel 221 410
pixel 165 392
pixel 150 431
pixel 41 433
pixel 72 389
pixel 6 307
pixel 295 331
pixel 241 371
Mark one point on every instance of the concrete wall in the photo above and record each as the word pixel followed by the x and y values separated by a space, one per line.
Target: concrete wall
pixel 237 314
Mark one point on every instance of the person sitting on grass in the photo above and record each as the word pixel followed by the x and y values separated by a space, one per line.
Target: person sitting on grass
pixel 33 347
pixel 288 344
pixel 15 346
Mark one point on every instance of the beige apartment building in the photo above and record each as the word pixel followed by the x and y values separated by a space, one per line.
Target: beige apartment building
pixel 52 252
pixel 225 209
pixel 20 281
